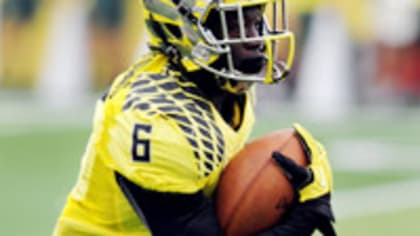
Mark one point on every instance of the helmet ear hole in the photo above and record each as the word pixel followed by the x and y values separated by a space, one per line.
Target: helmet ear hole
pixel 213 23
pixel 174 30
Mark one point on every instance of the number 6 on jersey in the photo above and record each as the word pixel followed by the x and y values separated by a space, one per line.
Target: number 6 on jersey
pixel 141 147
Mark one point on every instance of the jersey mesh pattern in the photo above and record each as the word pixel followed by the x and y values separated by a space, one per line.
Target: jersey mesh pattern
pixel 179 99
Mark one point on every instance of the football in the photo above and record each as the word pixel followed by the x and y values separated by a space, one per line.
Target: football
pixel 253 193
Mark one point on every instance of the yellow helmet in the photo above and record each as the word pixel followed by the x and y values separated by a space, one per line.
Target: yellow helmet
pixel 178 29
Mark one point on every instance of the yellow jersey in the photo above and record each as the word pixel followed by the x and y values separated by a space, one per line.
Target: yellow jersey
pixel 155 128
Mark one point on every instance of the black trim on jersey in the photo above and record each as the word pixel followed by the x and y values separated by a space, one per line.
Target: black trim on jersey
pixel 171 214
pixel 131 198
pixel 227 110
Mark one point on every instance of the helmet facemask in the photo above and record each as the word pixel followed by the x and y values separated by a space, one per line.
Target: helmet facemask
pixel 217 34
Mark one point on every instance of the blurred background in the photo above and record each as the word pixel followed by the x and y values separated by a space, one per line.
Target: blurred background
pixel 355 84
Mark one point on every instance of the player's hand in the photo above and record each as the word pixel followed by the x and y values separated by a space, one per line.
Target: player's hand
pixel 313 181
pixel 313 185
pixel 304 218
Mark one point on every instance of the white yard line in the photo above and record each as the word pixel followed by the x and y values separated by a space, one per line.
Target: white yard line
pixel 373 154
pixel 16 119
pixel 376 199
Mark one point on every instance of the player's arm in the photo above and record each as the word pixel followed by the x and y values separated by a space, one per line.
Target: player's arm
pixel 171 213
pixel 313 186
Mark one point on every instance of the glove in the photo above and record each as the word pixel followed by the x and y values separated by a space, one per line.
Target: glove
pixel 313 181
pixel 304 218
pixel 313 185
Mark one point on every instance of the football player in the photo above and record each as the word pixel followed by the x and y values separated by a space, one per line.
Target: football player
pixel 169 125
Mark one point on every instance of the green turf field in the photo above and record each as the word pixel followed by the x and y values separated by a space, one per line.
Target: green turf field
pixel 39 164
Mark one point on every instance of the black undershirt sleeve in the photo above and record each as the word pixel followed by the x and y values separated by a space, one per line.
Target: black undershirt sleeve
pixel 171 213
